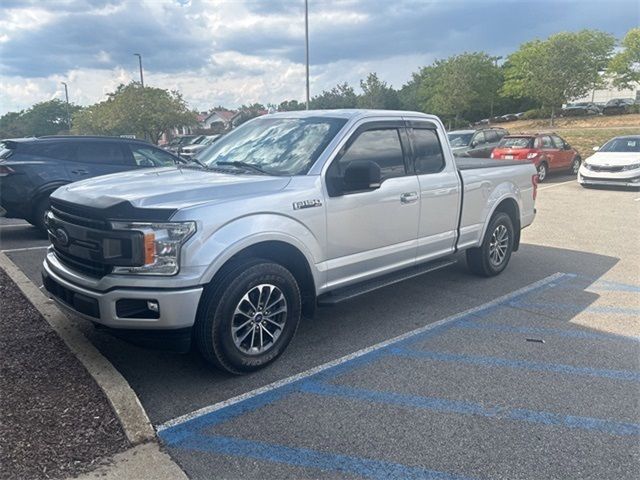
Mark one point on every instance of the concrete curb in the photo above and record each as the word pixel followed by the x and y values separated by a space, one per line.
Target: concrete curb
pixel 124 401
pixel 143 462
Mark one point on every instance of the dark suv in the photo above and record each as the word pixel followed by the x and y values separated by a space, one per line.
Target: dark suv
pixel 32 168
pixel 475 143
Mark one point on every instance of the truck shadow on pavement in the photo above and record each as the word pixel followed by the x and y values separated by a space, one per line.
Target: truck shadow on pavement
pixel 170 385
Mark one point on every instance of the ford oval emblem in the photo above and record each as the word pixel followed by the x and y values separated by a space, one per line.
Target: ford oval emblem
pixel 62 237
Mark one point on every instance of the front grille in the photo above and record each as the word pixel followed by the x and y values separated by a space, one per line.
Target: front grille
pixel 88 267
pixel 87 244
pixel 599 168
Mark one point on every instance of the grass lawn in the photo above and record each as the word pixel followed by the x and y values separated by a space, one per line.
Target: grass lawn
pixel 582 133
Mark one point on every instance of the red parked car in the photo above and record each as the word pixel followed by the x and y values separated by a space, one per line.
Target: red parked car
pixel 548 151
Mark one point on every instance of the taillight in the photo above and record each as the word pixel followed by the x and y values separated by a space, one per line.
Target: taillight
pixel 534 184
pixel 492 155
pixel 532 155
pixel 5 170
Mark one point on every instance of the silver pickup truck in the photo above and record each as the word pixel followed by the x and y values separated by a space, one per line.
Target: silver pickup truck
pixel 287 212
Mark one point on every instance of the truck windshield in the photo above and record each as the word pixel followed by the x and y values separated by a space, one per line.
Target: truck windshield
pixel 460 139
pixel 277 146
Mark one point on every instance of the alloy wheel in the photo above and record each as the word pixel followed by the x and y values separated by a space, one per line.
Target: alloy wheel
pixel 259 319
pixel 498 245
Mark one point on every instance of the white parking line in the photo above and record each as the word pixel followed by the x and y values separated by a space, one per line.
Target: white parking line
pixel 555 185
pixel 26 249
pixel 14 225
pixel 286 381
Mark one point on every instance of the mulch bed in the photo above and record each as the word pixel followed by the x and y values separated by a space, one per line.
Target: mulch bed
pixel 55 422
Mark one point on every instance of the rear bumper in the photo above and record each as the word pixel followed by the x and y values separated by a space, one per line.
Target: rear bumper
pixel 177 308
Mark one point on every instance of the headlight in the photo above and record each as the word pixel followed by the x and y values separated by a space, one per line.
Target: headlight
pixel 162 243
pixel 586 165
pixel 634 166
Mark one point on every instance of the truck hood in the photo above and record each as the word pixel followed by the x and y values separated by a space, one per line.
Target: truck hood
pixel 171 188
pixel 613 159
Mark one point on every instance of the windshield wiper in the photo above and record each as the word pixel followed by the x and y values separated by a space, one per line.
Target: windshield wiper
pixel 245 165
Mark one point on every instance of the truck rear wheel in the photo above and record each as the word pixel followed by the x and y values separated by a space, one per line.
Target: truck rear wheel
pixel 247 318
pixel 493 255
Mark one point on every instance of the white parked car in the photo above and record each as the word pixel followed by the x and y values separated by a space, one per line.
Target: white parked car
pixel 617 162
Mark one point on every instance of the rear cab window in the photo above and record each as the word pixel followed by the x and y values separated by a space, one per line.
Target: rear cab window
pixel 428 156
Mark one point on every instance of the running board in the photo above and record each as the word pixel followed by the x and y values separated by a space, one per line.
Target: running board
pixel 347 293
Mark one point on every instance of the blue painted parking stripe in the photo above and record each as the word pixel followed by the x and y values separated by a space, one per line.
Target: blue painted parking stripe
pixel 181 427
pixel 573 307
pixel 470 408
pixel 601 284
pixel 519 364
pixel 475 325
pixel 307 458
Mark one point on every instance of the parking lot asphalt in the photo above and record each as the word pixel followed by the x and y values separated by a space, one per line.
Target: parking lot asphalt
pixel 540 378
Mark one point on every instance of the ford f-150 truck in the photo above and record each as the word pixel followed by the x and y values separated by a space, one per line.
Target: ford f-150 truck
pixel 289 211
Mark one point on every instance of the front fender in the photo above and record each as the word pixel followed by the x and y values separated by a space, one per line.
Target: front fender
pixel 215 249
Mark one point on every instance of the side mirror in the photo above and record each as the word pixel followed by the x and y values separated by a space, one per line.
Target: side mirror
pixel 595 149
pixel 362 175
pixel 473 144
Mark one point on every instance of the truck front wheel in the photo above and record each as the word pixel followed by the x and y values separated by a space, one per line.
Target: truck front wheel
pixel 493 255
pixel 248 317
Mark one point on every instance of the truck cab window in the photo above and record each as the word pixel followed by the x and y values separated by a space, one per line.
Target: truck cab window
pixel 428 152
pixel 380 146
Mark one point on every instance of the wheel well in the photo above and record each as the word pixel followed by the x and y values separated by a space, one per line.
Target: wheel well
pixel 289 257
pixel 510 207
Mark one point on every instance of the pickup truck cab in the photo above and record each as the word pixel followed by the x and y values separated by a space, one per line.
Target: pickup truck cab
pixel 288 211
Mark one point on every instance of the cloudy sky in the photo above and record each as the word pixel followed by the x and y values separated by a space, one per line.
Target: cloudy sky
pixel 231 52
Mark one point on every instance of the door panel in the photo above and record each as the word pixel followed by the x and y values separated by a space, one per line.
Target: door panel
pixel 550 152
pixel 439 196
pixel 374 231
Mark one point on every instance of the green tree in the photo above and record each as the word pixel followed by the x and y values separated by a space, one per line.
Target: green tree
pixel 377 94
pixel 145 112
pixel 559 69
pixel 247 112
pixel 625 65
pixel 290 106
pixel 462 86
pixel 44 118
pixel 340 96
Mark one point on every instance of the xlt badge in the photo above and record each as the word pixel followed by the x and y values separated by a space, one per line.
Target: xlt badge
pixel 307 204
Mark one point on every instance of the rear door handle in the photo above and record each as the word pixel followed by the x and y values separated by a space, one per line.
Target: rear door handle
pixel 409 197
pixel 79 171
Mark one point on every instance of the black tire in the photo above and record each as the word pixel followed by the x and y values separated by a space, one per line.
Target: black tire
pixel 37 218
pixel 543 171
pixel 216 315
pixel 480 260
pixel 575 165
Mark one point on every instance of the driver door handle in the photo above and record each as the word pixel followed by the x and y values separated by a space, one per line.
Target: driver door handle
pixel 409 197
pixel 79 171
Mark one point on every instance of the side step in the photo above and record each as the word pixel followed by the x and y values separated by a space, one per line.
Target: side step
pixel 347 293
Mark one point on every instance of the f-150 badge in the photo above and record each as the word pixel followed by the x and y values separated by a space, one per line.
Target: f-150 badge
pixel 307 204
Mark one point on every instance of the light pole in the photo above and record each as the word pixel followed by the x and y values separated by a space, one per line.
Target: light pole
pixel 495 63
pixel 66 96
pixel 306 45
pixel 140 63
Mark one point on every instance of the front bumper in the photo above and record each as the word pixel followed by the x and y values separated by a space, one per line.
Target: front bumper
pixel 626 179
pixel 177 307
